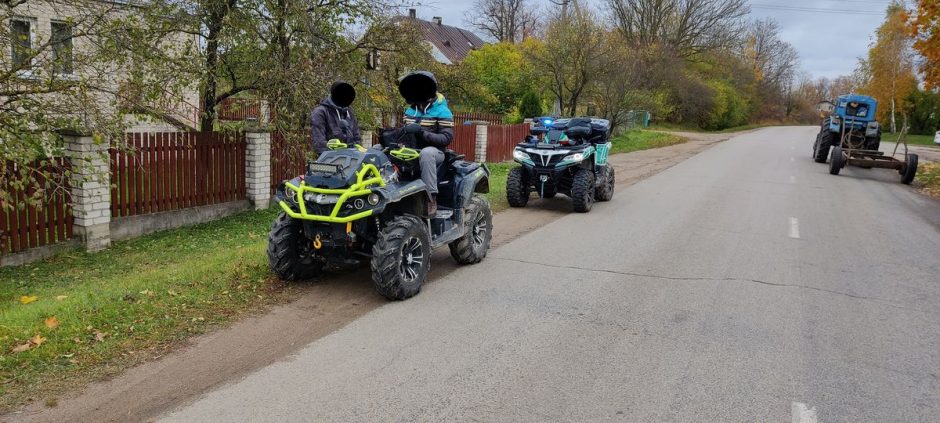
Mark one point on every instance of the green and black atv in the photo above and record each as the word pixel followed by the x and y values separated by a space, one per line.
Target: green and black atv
pixel 569 158
pixel 356 204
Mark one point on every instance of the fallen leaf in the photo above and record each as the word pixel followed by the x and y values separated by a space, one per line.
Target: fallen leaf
pixel 37 340
pixel 28 299
pixel 21 348
pixel 147 292
pixel 172 293
pixel 61 297
pixel 52 322
pixel 99 336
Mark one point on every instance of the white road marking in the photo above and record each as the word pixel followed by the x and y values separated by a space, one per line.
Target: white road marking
pixel 802 414
pixel 794 228
pixel 792 179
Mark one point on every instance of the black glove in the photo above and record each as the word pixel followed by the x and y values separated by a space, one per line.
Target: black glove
pixel 413 128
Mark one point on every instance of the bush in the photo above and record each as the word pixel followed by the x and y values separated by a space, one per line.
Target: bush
pixel 530 106
pixel 730 109
pixel 924 106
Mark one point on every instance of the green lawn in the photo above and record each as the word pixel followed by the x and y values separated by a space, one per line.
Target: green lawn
pixel 96 314
pixel 643 140
pixel 133 301
pixel 912 139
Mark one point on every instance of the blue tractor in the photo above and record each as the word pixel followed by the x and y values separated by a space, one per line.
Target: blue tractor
pixel 850 124
pixel 850 130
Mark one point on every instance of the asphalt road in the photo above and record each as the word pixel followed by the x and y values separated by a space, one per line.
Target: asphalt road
pixel 744 284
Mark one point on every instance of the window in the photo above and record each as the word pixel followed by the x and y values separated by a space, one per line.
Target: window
pixel 21 38
pixel 62 48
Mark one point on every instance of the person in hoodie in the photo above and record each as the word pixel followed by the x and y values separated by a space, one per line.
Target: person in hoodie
pixel 431 122
pixel 333 118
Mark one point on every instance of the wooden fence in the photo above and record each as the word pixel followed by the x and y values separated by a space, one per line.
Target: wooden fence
pixel 465 141
pixel 238 109
pixel 166 171
pixel 24 224
pixel 489 118
pixel 288 156
pixel 502 139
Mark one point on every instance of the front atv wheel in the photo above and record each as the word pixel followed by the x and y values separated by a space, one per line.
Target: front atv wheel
pixel 290 254
pixel 606 192
pixel 582 191
pixel 517 188
pixel 401 258
pixel 472 247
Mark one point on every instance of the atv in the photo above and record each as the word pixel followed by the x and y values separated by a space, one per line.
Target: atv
pixel 567 156
pixel 355 204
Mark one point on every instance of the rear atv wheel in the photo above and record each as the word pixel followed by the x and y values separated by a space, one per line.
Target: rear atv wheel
pixel 290 254
pixel 837 161
pixel 472 247
pixel 401 258
pixel 582 191
pixel 606 192
pixel 517 188
pixel 909 171
pixel 826 139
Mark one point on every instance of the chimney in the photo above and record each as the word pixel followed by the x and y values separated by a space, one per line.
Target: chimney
pixel 412 13
pixel 436 20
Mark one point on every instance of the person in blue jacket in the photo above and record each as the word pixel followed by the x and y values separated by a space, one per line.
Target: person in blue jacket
pixel 431 122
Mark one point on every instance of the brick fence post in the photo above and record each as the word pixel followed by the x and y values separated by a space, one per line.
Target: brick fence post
pixel 479 151
pixel 366 139
pixel 91 189
pixel 258 167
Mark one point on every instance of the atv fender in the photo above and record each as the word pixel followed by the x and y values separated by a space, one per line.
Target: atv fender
pixel 411 198
pixel 471 178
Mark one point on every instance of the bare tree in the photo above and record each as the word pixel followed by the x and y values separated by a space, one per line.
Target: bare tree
pixel 773 60
pixel 504 20
pixel 687 27
pixel 570 55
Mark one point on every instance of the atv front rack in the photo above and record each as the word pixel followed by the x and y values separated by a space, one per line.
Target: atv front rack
pixel 360 188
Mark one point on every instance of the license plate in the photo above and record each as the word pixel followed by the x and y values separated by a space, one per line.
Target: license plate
pixel 322 168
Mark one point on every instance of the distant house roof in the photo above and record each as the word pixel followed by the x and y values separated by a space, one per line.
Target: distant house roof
pixel 450 44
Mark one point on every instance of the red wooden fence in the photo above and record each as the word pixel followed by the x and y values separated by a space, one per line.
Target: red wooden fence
pixel 288 156
pixel 239 109
pixel 24 225
pixel 490 118
pixel 162 171
pixel 465 141
pixel 502 139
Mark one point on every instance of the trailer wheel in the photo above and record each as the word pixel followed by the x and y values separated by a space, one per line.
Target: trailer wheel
pixel 909 171
pixel 836 160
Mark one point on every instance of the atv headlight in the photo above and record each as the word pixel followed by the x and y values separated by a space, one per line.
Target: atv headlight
pixel 373 199
pixel 576 157
pixel 520 155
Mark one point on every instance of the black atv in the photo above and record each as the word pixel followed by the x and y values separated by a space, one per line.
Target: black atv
pixel 569 158
pixel 358 204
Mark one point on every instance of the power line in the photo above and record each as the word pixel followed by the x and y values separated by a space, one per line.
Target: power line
pixel 817 10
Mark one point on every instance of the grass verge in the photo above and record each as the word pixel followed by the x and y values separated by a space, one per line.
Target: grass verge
pixel 78 316
pixel 912 139
pixel 643 140
pixel 928 178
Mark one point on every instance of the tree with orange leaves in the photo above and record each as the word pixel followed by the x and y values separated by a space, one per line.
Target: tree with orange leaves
pixel 925 26
pixel 889 69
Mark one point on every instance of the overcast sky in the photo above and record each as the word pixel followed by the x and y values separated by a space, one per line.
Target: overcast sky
pixel 829 42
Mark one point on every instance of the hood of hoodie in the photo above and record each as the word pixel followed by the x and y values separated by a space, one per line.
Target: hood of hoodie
pixel 438 109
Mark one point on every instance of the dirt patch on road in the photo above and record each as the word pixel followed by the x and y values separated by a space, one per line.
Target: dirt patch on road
pixel 323 307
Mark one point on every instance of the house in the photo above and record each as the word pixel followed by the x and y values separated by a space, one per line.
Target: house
pixel 53 40
pixel 449 44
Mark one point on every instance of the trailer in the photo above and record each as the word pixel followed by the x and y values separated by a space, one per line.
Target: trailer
pixel 851 152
